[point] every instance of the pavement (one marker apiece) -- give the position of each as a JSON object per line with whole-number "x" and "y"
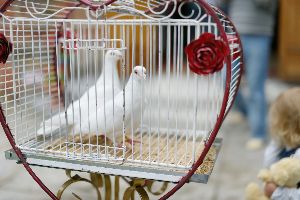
{"x": 235, "y": 167}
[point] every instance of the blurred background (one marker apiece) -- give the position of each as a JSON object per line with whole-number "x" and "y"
{"x": 237, "y": 164}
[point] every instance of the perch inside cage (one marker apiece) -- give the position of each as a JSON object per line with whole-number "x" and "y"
{"x": 127, "y": 88}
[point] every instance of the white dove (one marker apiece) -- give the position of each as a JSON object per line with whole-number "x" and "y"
{"x": 112, "y": 121}
{"x": 87, "y": 102}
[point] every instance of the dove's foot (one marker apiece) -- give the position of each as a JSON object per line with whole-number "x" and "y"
{"x": 131, "y": 141}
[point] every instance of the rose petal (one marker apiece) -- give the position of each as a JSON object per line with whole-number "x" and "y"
{"x": 207, "y": 54}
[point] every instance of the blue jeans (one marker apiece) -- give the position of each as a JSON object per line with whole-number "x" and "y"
{"x": 254, "y": 107}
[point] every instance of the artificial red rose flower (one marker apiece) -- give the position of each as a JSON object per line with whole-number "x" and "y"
{"x": 207, "y": 54}
{"x": 5, "y": 48}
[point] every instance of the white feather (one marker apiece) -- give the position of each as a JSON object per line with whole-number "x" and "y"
{"x": 78, "y": 110}
{"x": 112, "y": 121}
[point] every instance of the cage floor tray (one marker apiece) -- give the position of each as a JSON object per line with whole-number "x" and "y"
{"x": 126, "y": 169}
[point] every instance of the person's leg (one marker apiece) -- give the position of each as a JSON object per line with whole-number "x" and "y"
{"x": 257, "y": 49}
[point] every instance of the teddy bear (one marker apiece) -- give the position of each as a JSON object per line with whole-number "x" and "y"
{"x": 284, "y": 173}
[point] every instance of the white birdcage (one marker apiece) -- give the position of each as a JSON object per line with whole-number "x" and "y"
{"x": 61, "y": 112}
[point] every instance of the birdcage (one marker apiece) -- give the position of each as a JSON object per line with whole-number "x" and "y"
{"x": 121, "y": 87}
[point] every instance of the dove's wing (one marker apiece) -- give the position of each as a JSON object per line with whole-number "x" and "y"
{"x": 112, "y": 120}
{"x": 107, "y": 85}
{"x": 109, "y": 80}
{"x": 107, "y": 118}
{"x": 135, "y": 104}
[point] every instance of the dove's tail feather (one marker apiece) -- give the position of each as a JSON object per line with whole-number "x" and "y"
{"x": 56, "y": 120}
{"x": 52, "y": 125}
{"x": 53, "y": 131}
{"x": 47, "y": 130}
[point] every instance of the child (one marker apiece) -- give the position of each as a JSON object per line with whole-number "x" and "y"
{"x": 285, "y": 131}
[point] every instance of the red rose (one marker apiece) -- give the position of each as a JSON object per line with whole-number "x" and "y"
{"x": 207, "y": 54}
{"x": 5, "y": 48}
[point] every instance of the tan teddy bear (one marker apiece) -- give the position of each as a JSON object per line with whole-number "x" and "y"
{"x": 253, "y": 192}
{"x": 284, "y": 173}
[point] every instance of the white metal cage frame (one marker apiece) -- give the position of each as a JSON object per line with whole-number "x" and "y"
{"x": 180, "y": 112}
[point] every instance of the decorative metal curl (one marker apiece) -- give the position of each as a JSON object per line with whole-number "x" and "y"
{"x": 33, "y": 6}
{"x": 35, "y": 10}
{"x": 129, "y": 9}
{"x": 132, "y": 11}
{"x": 192, "y": 10}
{"x": 167, "y": 4}
{"x": 96, "y": 14}
{"x": 75, "y": 179}
{"x": 103, "y": 182}
{"x": 97, "y": 180}
{"x": 138, "y": 186}
{"x": 163, "y": 188}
